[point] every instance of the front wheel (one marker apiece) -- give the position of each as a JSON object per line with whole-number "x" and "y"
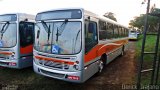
{"x": 101, "y": 66}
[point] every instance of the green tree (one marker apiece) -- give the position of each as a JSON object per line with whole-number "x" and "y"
{"x": 110, "y": 15}
{"x": 138, "y": 22}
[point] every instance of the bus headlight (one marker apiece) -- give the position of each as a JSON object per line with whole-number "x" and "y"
{"x": 76, "y": 67}
{"x": 12, "y": 56}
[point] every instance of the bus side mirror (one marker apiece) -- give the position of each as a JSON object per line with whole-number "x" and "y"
{"x": 38, "y": 32}
{"x": 90, "y": 27}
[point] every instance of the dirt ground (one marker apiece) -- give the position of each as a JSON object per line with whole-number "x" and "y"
{"x": 116, "y": 74}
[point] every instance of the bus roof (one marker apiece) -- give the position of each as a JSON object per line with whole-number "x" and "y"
{"x": 60, "y": 9}
{"x": 89, "y": 13}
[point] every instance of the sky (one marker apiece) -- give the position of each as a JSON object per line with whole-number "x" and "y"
{"x": 124, "y": 10}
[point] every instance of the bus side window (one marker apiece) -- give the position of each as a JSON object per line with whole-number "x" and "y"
{"x": 102, "y": 30}
{"x": 120, "y": 31}
{"x": 116, "y": 32}
{"x": 110, "y": 31}
{"x": 26, "y": 33}
{"x": 91, "y": 38}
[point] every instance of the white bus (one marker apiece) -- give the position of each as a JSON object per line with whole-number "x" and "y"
{"x": 133, "y": 35}
{"x": 74, "y": 44}
{"x": 16, "y": 40}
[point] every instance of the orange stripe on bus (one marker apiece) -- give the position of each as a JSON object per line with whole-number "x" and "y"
{"x": 98, "y": 50}
{"x": 6, "y": 53}
{"x": 26, "y": 50}
{"x": 54, "y": 60}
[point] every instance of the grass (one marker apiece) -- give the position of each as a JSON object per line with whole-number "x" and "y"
{"x": 148, "y": 59}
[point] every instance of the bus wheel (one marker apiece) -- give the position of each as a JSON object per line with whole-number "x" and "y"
{"x": 122, "y": 52}
{"x": 101, "y": 66}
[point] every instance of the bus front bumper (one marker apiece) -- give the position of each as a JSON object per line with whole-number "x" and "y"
{"x": 133, "y": 38}
{"x": 57, "y": 74}
{"x": 9, "y": 63}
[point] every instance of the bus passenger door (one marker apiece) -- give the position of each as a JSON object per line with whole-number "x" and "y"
{"x": 91, "y": 38}
{"x": 26, "y": 30}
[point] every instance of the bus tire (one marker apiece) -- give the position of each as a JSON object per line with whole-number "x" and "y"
{"x": 102, "y": 63}
{"x": 122, "y": 52}
{"x": 100, "y": 66}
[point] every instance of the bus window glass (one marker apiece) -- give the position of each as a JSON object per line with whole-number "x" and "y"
{"x": 123, "y": 33}
{"x": 67, "y": 38}
{"x": 8, "y": 35}
{"x": 64, "y": 37}
{"x": 109, "y": 31}
{"x": 102, "y": 30}
{"x": 126, "y": 33}
{"x": 120, "y": 31}
{"x": 116, "y": 32}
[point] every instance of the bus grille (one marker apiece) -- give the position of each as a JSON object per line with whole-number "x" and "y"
{"x": 4, "y": 63}
{"x": 53, "y": 74}
{"x": 51, "y": 64}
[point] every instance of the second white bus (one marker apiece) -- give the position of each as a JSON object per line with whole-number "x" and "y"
{"x": 16, "y": 40}
{"x": 133, "y": 35}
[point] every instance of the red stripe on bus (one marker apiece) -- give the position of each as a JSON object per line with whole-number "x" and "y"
{"x": 98, "y": 50}
{"x": 54, "y": 60}
{"x": 6, "y": 53}
{"x": 26, "y": 50}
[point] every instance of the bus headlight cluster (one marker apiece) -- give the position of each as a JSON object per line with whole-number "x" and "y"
{"x": 12, "y": 56}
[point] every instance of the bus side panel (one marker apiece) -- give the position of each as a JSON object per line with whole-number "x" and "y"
{"x": 101, "y": 49}
{"x": 26, "y": 56}
{"x": 113, "y": 50}
{"x": 90, "y": 70}
{"x": 26, "y": 62}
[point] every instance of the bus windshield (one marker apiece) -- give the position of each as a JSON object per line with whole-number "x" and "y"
{"x": 8, "y": 34}
{"x": 132, "y": 32}
{"x": 58, "y": 37}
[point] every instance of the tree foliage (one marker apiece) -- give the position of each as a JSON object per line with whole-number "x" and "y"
{"x": 138, "y": 22}
{"x": 110, "y": 15}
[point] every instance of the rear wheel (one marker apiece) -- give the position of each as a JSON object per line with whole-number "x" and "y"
{"x": 122, "y": 52}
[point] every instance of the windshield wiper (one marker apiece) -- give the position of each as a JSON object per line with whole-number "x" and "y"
{"x": 61, "y": 29}
{"x": 38, "y": 33}
{"x": 4, "y": 28}
{"x": 47, "y": 28}
{"x": 76, "y": 40}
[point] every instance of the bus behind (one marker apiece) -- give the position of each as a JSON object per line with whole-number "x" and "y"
{"x": 16, "y": 40}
